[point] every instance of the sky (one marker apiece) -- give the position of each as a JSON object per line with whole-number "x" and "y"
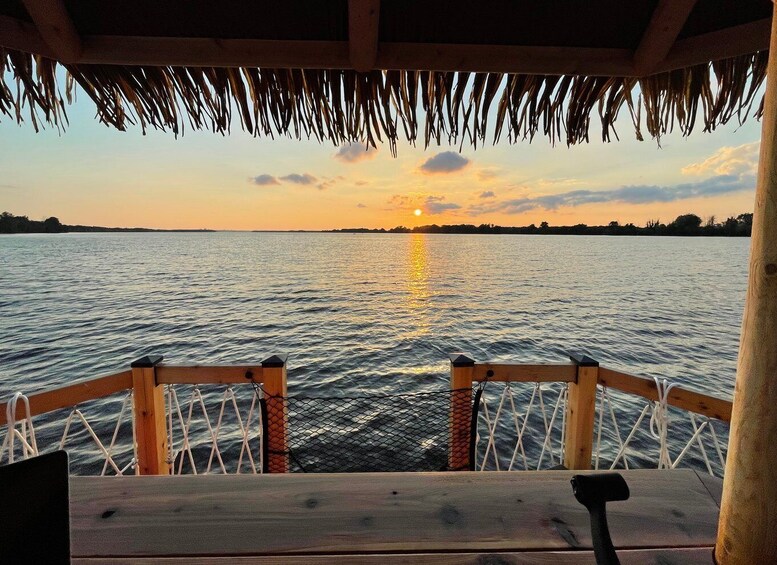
{"x": 94, "y": 175}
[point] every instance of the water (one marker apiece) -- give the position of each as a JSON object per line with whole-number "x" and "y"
{"x": 368, "y": 312}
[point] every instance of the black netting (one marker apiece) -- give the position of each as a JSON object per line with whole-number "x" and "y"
{"x": 428, "y": 431}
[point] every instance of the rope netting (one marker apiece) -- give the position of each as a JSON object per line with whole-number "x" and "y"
{"x": 396, "y": 432}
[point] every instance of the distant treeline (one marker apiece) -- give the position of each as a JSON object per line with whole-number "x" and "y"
{"x": 22, "y": 224}
{"x": 685, "y": 225}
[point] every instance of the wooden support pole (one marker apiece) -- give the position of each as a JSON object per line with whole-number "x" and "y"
{"x": 665, "y": 25}
{"x": 363, "y": 16}
{"x": 747, "y": 531}
{"x": 150, "y": 418}
{"x": 581, "y": 408}
{"x": 275, "y": 391}
{"x": 56, "y": 28}
{"x": 462, "y": 371}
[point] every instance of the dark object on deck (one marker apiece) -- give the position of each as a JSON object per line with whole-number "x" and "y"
{"x": 594, "y": 492}
{"x": 35, "y": 510}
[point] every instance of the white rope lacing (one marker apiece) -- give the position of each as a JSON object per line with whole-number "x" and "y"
{"x": 197, "y": 410}
{"x": 507, "y": 405}
{"x": 25, "y": 434}
{"x": 106, "y": 452}
{"x": 659, "y": 422}
{"x": 659, "y": 429}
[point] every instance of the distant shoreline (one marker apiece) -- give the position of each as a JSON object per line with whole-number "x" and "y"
{"x": 686, "y": 225}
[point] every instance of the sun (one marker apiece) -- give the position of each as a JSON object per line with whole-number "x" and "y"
{"x": 417, "y": 212}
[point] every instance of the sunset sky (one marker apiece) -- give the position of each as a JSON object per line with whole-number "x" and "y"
{"x": 91, "y": 174}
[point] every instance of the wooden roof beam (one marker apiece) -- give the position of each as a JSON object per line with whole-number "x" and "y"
{"x": 56, "y": 28}
{"x": 723, "y": 44}
{"x": 22, "y": 36}
{"x": 363, "y": 17}
{"x": 661, "y": 33}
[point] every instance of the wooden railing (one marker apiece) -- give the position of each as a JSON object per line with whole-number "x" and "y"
{"x": 148, "y": 377}
{"x": 583, "y": 375}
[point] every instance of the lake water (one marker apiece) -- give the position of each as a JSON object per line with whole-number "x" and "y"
{"x": 368, "y": 312}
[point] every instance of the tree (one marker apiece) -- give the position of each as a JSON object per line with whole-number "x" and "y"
{"x": 686, "y": 224}
{"x": 52, "y": 225}
{"x": 544, "y": 226}
{"x": 746, "y": 220}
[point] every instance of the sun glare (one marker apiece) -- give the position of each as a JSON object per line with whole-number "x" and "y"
{"x": 417, "y": 212}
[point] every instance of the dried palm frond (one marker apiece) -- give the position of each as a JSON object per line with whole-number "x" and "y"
{"x": 343, "y": 106}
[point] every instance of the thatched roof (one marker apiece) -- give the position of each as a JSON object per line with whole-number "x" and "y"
{"x": 348, "y": 70}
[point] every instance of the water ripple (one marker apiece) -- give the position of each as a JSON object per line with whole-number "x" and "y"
{"x": 370, "y": 311}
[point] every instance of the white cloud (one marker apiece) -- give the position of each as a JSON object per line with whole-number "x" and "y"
{"x": 742, "y": 159}
{"x": 635, "y": 194}
{"x": 263, "y": 180}
{"x": 430, "y": 204}
{"x": 355, "y": 152}
{"x": 445, "y": 162}
{"x": 297, "y": 178}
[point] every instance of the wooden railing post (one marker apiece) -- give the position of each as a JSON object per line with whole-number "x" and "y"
{"x": 581, "y": 408}
{"x": 462, "y": 371}
{"x": 150, "y": 418}
{"x": 274, "y": 384}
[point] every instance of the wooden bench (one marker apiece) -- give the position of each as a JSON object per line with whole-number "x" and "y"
{"x": 440, "y": 518}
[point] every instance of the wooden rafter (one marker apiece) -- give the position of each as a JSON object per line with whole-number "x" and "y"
{"x": 505, "y": 59}
{"x": 22, "y": 36}
{"x": 723, "y": 44}
{"x": 363, "y": 17}
{"x": 665, "y": 25}
{"x": 208, "y": 52}
{"x": 56, "y": 28}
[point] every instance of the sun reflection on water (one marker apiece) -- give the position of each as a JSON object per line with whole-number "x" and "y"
{"x": 418, "y": 286}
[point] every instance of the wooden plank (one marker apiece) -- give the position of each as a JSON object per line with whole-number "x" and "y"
{"x": 547, "y": 373}
{"x": 730, "y": 42}
{"x": 669, "y": 556}
{"x": 56, "y": 28}
{"x": 22, "y": 36}
{"x": 150, "y": 422}
{"x": 377, "y": 513}
{"x": 363, "y": 16}
{"x": 665, "y": 25}
{"x": 689, "y": 400}
{"x": 581, "y": 412}
{"x": 71, "y": 395}
{"x": 207, "y": 52}
{"x": 162, "y": 51}
{"x": 748, "y": 521}
{"x": 505, "y": 59}
{"x": 215, "y": 52}
{"x": 208, "y": 374}
{"x": 714, "y": 486}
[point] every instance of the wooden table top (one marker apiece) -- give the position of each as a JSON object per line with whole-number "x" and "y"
{"x": 446, "y": 518}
